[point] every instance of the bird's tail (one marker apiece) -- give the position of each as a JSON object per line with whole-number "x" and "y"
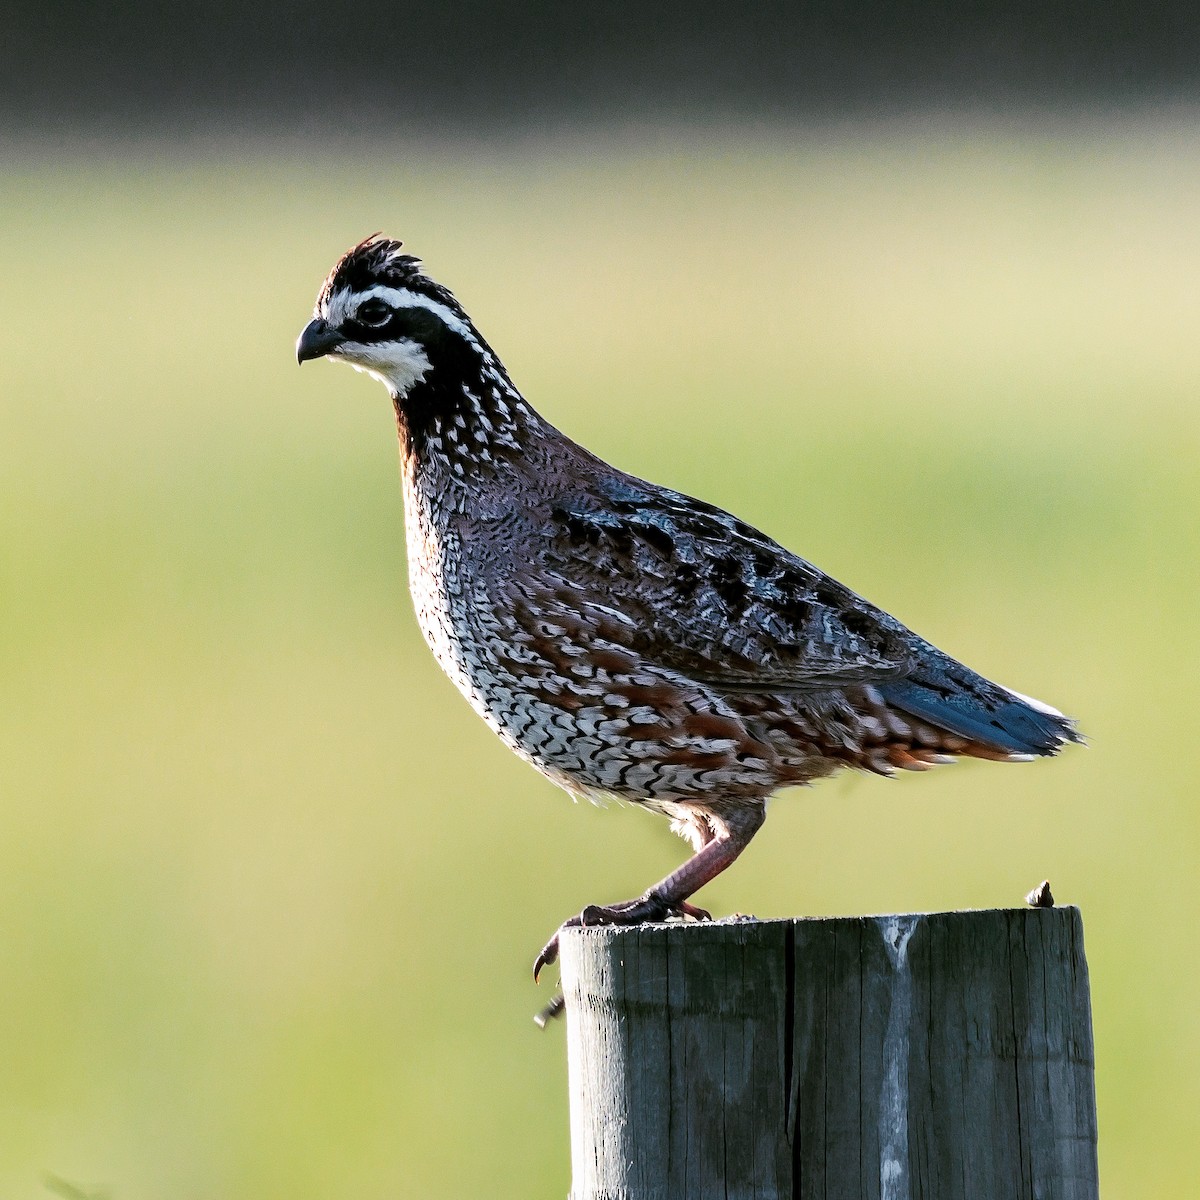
{"x": 994, "y": 721}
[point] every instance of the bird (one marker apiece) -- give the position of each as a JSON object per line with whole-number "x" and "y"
{"x": 626, "y": 639}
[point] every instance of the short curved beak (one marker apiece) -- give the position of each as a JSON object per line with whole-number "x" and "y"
{"x": 317, "y": 340}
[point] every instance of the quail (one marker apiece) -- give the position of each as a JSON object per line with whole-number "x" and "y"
{"x": 625, "y": 639}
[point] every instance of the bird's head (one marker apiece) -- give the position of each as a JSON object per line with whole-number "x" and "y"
{"x": 380, "y": 313}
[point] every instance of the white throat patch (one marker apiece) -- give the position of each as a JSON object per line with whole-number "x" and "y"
{"x": 399, "y": 365}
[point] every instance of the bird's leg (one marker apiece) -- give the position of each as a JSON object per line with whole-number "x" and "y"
{"x": 730, "y": 835}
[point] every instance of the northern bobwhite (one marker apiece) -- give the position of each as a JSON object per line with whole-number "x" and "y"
{"x": 624, "y": 638}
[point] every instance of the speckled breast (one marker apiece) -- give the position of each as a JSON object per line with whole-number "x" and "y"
{"x": 575, "y": 724}
{"x": 465, "y": 633}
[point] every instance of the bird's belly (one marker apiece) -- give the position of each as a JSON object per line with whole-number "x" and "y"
{"x": 577, "y": 730}
{"x": 571, "y": 747}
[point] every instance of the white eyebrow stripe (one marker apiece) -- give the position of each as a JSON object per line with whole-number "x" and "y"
{"x": 399, "y": 298}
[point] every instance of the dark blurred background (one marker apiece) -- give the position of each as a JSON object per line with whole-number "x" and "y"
{"x": 422, "y": 70}
{"x": 911, "y": 287}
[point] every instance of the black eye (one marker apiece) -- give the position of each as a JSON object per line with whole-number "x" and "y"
{"x": 373, "y": 312}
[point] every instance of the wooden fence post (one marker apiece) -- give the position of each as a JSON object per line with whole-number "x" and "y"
{"x": 941, "y": 1056}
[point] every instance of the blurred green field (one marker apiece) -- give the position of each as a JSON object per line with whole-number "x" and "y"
{"x": 269, "y": 892}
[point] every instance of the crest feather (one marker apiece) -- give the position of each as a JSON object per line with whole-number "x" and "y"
{"x": 376, "y": 259}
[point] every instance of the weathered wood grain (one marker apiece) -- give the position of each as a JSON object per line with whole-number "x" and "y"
{"x": 943, "y": 1056}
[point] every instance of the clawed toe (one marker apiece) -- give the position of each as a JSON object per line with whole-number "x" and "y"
{"x": 629, "y": 912}
{"x": 549, "y": 952}
{"x": 594, "y": 914}
{"x": 548, "y": 955}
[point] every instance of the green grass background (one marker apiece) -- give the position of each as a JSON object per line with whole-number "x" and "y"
{"x": 269, "y": 892}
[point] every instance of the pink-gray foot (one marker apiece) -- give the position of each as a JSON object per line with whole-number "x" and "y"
{"x": 628, "y": 912}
